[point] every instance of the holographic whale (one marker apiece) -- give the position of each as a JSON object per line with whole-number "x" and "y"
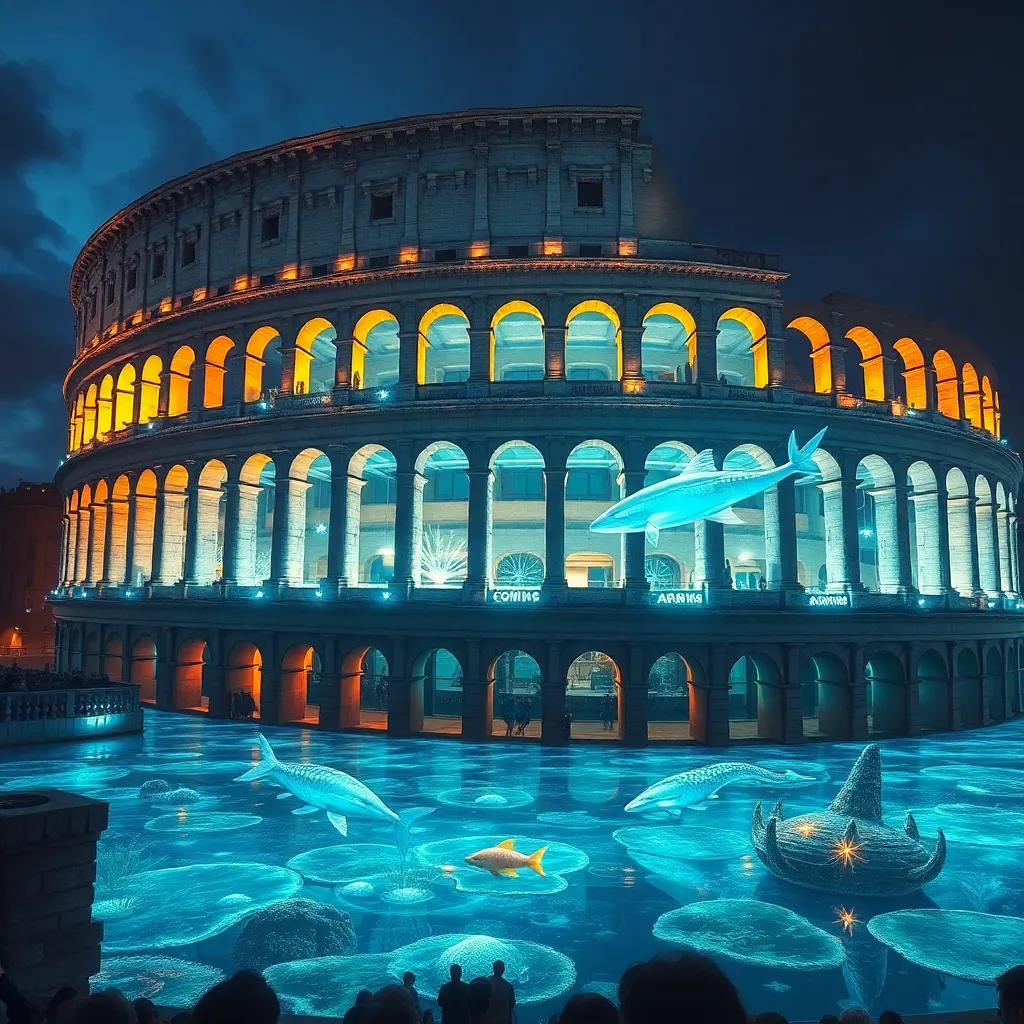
{"x": 701, "y": 491}
{"x": 689, "y": 789}
{"x": 326, "y": 789}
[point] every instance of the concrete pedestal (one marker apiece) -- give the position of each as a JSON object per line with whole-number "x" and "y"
{"x": 47, "y": 870}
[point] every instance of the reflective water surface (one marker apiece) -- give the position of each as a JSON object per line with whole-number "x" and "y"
{"x": 199, "y": 873}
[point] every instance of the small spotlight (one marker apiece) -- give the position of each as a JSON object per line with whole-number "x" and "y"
{"x": 920, "y": 601}
{"x": 321, "y": 527}
{"x": 259, "y": 593}
{"x": 383, "y": 395}
{"x": 264, "y": 406}
{"x": 866, "y": 533}
{"x": 386, "y": 595}
{"x": 319, "y": 592}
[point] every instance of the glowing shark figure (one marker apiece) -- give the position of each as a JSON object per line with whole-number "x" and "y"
{"x": 689, "y": 789}
{"x": 700, "y": 491}
{"x": 326, "y": 789}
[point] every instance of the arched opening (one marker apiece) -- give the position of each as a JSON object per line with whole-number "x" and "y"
{"x": 915, "y": 387}
{"x": 751, "y": 545}
{"x": 187, "y": 681}
{"x": 309, "y": 515}
{"x": 143, "y": 668}
{"x": 988, "y": 406}
{"x": 820, "y": 542}
{"x": 514, "y": 696}
{"x": 593, "y": 342}
{"x": 972, "y": 395}
{"x": 593, "y": 698}
{"x": 262, "y": 364}
{"x": 593, "y": 483}
{"x": 149, "y": 397}
{"x": 256, "y": 500}
{"x": 986, "y": 538}
{"x": 78, "y": 422}
{"x": 105, "y": 407}
{"x": 947, "y": 386}
{"x": 180, "y": 381}
{"x": 1013, "y": 682}
{"x": 995, "y": 685}
{"x": 211, "y": 498}
{"x": 436, "y": 693}
{"x": 91, "y": 661}
{"x": 517, "y": 342}
{"x": 372, "y": 495}
{"x": 885, "y": 695}
{"x": 216, "y": 370}
{"x": 670, "y": 564}
{"x": 443, "y": 345}
{"x": 825, "y": 697}
{"x": 375, "y": 354}
{"x": 969, "y": 690}
{"x": 756, "y": 699}
{"x": 441, "y": 516}
{"x": 298, "y": 681}
{"x": 815, "y": 335}
{"x": 668, "y": 345}
{"x": 173, "y": 526}
{"x": 243, "y": 674}
{"x": 145, "y": 528}
{"x": 75, "y": 650}
{"x": 98, "y": 525}
{"x": 870, "y": 349}
{"x": 113, "y": 658}
{"x": 82, "y": 544}
{"x": 1006, "y": 580}
{"x": 742, "y": 349}
{"x": 934, "y": 706}
{"x": 961, "y": 542}
{"x": 517, "y": 514}
{"x": 364, "y": 690}
{"x": 89, "y": 420}
{"x": 315, "y": 352}
{"x": 124, "y": 403}
{"x": 923, "y": 516}
{"x": 877, "y": 529}
{"x": 672, "y": 695}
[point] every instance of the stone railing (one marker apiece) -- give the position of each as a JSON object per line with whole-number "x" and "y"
{"x": 40, "y": 716}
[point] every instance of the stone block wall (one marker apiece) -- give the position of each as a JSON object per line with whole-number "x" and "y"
{"x": 47, "y": 872}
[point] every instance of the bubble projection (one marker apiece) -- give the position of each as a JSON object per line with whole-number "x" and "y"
{"x": 161, "y": 979}
{"x": 681, "y": 842}
{"x": 202, "y": 821}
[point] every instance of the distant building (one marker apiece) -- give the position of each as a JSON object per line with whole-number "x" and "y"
{"x": 30, "y": 525}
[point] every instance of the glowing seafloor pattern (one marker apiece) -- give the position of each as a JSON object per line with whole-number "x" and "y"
{"x": 177, "y": 883}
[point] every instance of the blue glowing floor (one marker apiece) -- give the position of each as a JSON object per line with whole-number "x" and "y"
{"x": 189, "y": 864}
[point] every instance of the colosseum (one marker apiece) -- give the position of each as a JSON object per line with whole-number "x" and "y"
{"x": 343, "y": 409}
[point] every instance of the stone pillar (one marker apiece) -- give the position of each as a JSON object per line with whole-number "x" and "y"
{"x": 108, "y": 545}
{"x": 627, "y": 223}
{"x": 997, "y": 575}
{"x": 858, "y": 694}
{"x": 633, "y": 705}
{"x": 851, "y": 532}
{"x": 128, "y": 577}
{"x": 347, "y": 250}
{"x": 478, "y": 562}
{"x": 932, "y": 552}
{"x": 408, "y": 360}
{"x": 481, "y": 242}
{"x": 480, "y": 369}
{"x": 406, "y": 542}
{"x": 338, "y": 529}
{"x": 707, "y": 344}
{"x": 476, "y": 697}
{"x": 279, "y": 538}
{"x": 554, "y": 528}
{"x": 410, "y": 248}
{"x": 554, "y": 338}
{"x": 972, "y": 526}
{"x": 47, "y": 870}
{"x": 1003, "y": 546}
{"x": 405, "y": 705}
{"x": 553, "y": 216}
{"x": 984, "y": 532}
{"x": 775, "y": 349}
{"x": 193, "y": 570}
{"x": 905, "y": 578}
{"x": 716, "y": 699}
{"x": 90, "y": 546}
{"x": 780, "y": 549}
{"x": 552, "y": 696}
{"x": 287, "y": 568}
{"x": 635, "y": 543}
{"x": 232, "y": 511}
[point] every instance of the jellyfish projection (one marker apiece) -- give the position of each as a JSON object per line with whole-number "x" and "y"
{"x": 701, "y": 491}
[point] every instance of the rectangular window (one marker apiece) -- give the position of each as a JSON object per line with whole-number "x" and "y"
{"x": 520, "y": 484}
{"x": 267, "y": 279}
{"x": 445, "y": 255}
{"x": 375, "y": 262}
{"x": 590, "y": 194}
{"x": 188, "y": 252}
{"x": 588, "y": 484}
{"x": 447, "y": 485}
{"x": 320, "y": 270}
{"x": 518, "y": 252}
{"x": 132, "y": 280}
{"x": 108, "y": 292}
{"x": 271, "y": 228}
{"x": 382, "y": 206}
{"x": 589, "y": 249}
{"x": 523, "y": 373}
{"x": 158, "y": 265}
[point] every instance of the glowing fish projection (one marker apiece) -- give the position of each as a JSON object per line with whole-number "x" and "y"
{"x": 504, "y": 858}
{"x": 690, "y": 789}
{"x": 701, "y": 491}
{"x": 327, "y": 789}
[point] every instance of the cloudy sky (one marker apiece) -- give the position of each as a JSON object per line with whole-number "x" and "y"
{"x": 875, "y": 147}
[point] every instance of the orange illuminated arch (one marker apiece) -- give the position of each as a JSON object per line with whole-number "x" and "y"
{"x": 253, "y": 467}
{"x": 216, "y": 369}
{"x": 426, "y": 322}
{"x": 988, "y": 405}
{"x": 871, "y": 362}
{"x": 998, "y": 415}
{"x": 947, "y": 386}
{"x": 254, "y": 361}
{"x": 149, "y": 399}
{"x": 685, "y": 317}
{"x": 758, "y": 340}
{"x": 360, "y": 333}
{"x": 600, "y": 306}
{"x": 124, "y": 403}
{"x": 972, "y": 395}
{"x": 913, "y": 372}
{"x": 77, "y": 422}
{"x": 89, "y": 416}
{"x": 181, "y": 380}
{"x": 817, "y": 334}
{"x": 309, "y": 332}
{"x": 105, "y": 407}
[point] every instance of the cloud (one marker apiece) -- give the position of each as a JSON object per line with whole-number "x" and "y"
{"x": 213, "y": 67}
{"x": 28, "y": 135}
{"x": 179, "y": 146}
{"x": 34, "y": 437}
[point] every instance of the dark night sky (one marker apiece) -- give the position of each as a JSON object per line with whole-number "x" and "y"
{"x": 876, "y": 147}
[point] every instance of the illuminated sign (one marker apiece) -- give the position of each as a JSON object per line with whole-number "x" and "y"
{"x": 691, "y": 598}
{"x": 514, "y": 595}
{"x": 828, "y": 600}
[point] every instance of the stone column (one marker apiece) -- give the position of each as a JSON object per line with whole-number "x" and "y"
{"x": 552, "y": 696}
{"x": 851, "y": 532}
{"x": 480, "y": 369}
{"x": 905, "y": 579}
{"x": 338, "y": 529}
{"x": 105, "y": 578}
{"x": 91, "y": 573}
{"x": 347, "y": 250}
{"x": 1003, "y": 544}
{"x": 476, "y": 697}
{"x": 707, "y": 344}
{"x": 410, "y": 248}
{"x": 716, "y": 712}
{"x": 775, "y": 349}
{"x": 554, "y": 338}
{"x": 858, "y": 694}
{"x": 554, "y": 526}
{"x": 408, "y": 531}
{"x": 232, "y": 508}
{"x": 627, "y": 223}
{"x": 279, "y": 538}
{"x": 984, "y": 532}
{"x": 408, "y": 360}
{"x": 481, "y": 243}
{"x": 478, "y": 567}
{"x": 709, "y": 555}
{"x": 636, "y": 544}
{"x": 193, "y": 570}
{"x": 553, "y": 216}
{"x": 943, "y": 570}
{"x": 128, "y": 577}
{"x": 633, "y": 705}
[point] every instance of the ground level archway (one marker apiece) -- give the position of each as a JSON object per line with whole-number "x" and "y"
{"x": 593, "y": 697}
{"x": 514, "y": 706}
{"x": 885, "y": 695}
{"x": 756, "y": 699}
{"x": 243, "y": 673}
{"x": 143, "y": 669}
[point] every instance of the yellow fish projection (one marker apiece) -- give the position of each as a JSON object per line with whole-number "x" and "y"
{"x": 504, "y": 858}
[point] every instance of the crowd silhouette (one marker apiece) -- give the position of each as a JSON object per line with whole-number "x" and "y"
{"x": 16, "y": 679}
